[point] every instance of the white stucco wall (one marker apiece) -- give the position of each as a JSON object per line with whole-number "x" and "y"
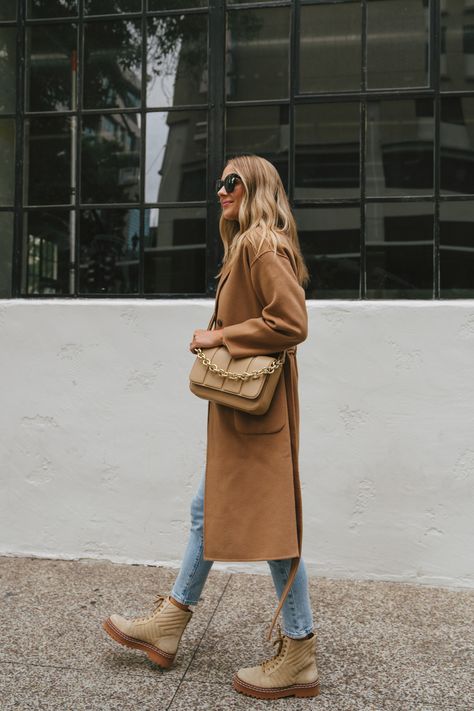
{"x": 102, "y": 444}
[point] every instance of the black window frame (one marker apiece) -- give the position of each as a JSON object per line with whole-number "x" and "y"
{"x": 216, "y": 107}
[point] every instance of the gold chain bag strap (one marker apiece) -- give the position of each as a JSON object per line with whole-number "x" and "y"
{"x": 246, "y": 384}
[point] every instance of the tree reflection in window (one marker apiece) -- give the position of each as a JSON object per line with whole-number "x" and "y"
{"x": 112, "y": 64}
{"x": 51, "y": 8}
{"x": 109, "y": 251}
{"x": 177, "y": 60}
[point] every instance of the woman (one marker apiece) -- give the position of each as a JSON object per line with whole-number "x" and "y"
{"x": 248, "y": 504}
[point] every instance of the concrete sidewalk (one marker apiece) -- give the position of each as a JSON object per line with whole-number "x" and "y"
{"x": 381, "y": 646}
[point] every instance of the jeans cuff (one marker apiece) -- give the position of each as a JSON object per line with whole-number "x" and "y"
{"x": 184, "y": 602}
{"x": 298, "y": 635}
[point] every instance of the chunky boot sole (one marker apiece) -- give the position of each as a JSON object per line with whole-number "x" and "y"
{"x": 258, "y": 692}
{"x": 158, "y": 656}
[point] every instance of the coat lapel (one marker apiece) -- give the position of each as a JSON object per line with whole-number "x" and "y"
{"x": 223, "y": 277}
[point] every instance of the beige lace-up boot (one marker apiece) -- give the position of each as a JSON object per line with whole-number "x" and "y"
{"x": 292, "y": 671}
{"x": 158, "y": 634}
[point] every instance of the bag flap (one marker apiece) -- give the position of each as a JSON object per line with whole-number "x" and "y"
{"x": 251, "y": 388}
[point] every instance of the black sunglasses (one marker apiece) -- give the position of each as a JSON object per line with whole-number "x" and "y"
{"x": 228, "y": 183}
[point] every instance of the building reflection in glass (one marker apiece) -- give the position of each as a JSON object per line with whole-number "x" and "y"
{"x": 175, "y": 250}
{"x": 6, "y": 254}
{"x": 457, "y": 45}
{"x": 8, "y": 10}
{"x": 263, "y": 130}
{"x": 327, "y": 150}
{"x": 110, "y": 158}
{"x": 7, "y": 161}
{"x": 330, "y": 241}
{"x": 398, "y": 43}
{"x": 47, "y": 252}
{"x": 399, "y": 147}
{"x": 176, "y": 145}
{"x": 457, "y": 248}
{"x": 457, "y": 144}
{"x": 399, "y": 246}
{"x": 176, "y": 156}
{"x": 257, "y": 54}
{"x": 330, "y": 47}
{"x": 48, "y": 179}
{"x": 177, "y": 60}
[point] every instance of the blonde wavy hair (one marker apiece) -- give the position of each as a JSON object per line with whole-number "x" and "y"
{"x": 265, "y": 216}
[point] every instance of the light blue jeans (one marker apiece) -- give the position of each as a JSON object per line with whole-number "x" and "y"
{"x": 296, "y": 610}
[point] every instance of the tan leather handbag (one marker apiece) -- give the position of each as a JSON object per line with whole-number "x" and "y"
{"x": 246, "y": 384}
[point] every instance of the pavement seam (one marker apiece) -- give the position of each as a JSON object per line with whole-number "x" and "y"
{"x": 123, "y": 672}
{"x": 199, "y": 643}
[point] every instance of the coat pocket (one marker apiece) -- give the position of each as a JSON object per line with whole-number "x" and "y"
{"x": 272, "y": 421}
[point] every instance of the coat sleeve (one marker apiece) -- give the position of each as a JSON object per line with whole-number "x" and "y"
{"x": 284, "y": 319}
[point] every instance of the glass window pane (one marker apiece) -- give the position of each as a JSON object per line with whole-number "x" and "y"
{"x": 456, "y": 222}
{"x": 6, "y": 254}
{"x": 177, "y": 60}
{"x": 51, "y": 67}
{"x": 399, "y": 147}
{"x": 48, "y": 249}
{"x": 176, "y": 4}
{"x": 175, "y": 250}
{"x": 257, "y": 56}
{"x": 7, "y": 69}
{"x": 399, "y": 241}
{"x": 48, "y": 178}
{"x": 8, "y": 10}
{"x": 327, "y": 150}
{"x": 330, "y": 47}
{"x": 330, "y": 242}
{"x": 111, "y": 7}
{"x": 7, "y": 161}
{"x": 51, "y": 8}
{"x": 457, "y": 46}
{"x": 109, "y": 251}
{"x": 112, "y": 64}
{"x": 176, "y": 156}
{"x": 457, "y": 144}
{"x": 397, "y": 43}
{"x": 110, "y": 158}
{"x": 262, "y": 130}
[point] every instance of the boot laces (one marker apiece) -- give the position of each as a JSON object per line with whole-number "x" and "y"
{"x": 156, "y": 606}
{"x": 280, "y": 640}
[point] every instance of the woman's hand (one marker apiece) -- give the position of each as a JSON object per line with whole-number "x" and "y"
{"x": 206, "y": 339}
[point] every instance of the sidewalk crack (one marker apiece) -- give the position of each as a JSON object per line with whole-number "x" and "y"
{"x": 199, "y": 643}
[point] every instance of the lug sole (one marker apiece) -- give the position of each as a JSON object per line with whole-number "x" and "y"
{"x": 158, "y": 656}
{"x": 258, "y": 692}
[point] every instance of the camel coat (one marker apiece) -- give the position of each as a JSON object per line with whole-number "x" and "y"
{"x": 252, "y": 499}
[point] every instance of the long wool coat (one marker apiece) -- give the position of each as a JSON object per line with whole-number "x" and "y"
{"x": 252, "y": 499}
